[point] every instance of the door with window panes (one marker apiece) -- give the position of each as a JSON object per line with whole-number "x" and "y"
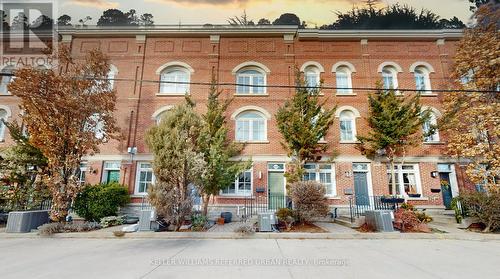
{"x": 276, "y": 185}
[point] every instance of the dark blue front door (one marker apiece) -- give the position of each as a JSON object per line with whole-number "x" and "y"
{"x": 444, "y": 177}
{"x": 361, "y": 188}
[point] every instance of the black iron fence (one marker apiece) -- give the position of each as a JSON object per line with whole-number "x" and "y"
{"x": 259, "y": 203}
{"x": 359, "y": 204}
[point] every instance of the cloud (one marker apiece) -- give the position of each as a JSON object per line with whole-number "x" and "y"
{"x": 100, "y": 4}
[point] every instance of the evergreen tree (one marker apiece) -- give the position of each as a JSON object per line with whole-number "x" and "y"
{"x": 218, "y": 149}
{"x": 394, "y": 121}
{"x": 303, "y": 122}
{"x": 178, "y": 164}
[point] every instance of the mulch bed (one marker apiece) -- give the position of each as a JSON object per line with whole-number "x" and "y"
{"x": 307, "y": 228}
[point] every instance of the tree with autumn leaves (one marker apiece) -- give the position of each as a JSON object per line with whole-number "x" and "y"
{"x": 472, "y": 115}
{"x": 68, "y": 112}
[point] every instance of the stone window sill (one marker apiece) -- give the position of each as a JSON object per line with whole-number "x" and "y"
{"x": 250, "y": 95}
{"x": 172, "y": 94}
{"x": 253, "y": 141}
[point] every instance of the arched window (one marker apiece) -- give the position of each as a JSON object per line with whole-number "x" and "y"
{"x": 175, "y": 80}
{"x": 251, "y": 126}
{"x": 312, "y": 77}
{"x": 422, "y": 80}
{"x": 344, "y": 80}
{"x": 431, "y": 134}
{"x": 113, "y": 71}
{"x": 347, "y": 122}
{"x": 160, "y": 113}
{"x": 251, "y": 80}
{"x": 6, "y": 78}
{"x": 390, "y": 77}
{"x": 3, "y": 116}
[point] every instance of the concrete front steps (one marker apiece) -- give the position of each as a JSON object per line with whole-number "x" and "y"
{"x": 442, "y": 217}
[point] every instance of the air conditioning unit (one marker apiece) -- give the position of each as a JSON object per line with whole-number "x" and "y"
{"x": 381, "y": 220}
{"x": 25, "y": 221}
{"x": 266, "y": 221}
{"x": 147, "y": 220}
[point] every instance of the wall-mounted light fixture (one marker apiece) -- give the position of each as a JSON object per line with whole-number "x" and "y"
{"x": 348, "y": 173}
{"x": 434, "y": 174}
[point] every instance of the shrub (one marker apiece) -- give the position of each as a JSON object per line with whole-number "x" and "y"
{"x": 245, "y": 229}
{"x": 101, "y": 200}
{"x": 287, "y": 216}
{"x": 52, "y": 228}
{"x": 485, "y": 206}
{"x": 309, "y": 200}
{"x": 198, "y": 222}
{"x": 423, "y": 217}
{"x": 407, "y": 221}
{"x": 110, "y": 221}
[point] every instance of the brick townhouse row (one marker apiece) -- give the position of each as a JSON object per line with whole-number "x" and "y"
{"x": 348, "y": 62}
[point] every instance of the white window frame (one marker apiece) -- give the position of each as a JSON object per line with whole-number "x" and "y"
{"x": 399, "y": 171}
{"x": 82, "y": 175}
{"x": 423, "y": 72}
{"x": 317, "y": 170}
{"x": 179, "y": 88}
{"x": 352, "y": 119}
{"x": 250, "y": 121}
{"x": 347, "y": 73}
{"x": 237, "y": 191}
{"x": 6, "y": 80}
{"x": 432, "y": 121}
{"x": 3, "y": 127}
{"x": 113, "y": 166}
{"x": 141, "y": 168}
{"x": 390, "y": 71}
{"x": 315, "y": 73}
{"x": 250, "y": 85}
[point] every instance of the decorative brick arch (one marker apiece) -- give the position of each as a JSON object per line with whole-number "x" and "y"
{"x": 313, "y": 64}
{"x": 251, "y": 64}
{"x": 264, "y": 112}
{"x": 174, "y": 64}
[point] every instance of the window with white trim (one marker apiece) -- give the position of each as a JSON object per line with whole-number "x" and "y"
{"x": 3, "y": 116}
{"x": 344, "y": 80}
{"x": 251, "y": 81}
{"x": 82, "y": 172}
{"x": 430, "y": 126}
{"x": 144, "y": 177}
{"x": 241, "y": 186}
{"x": 251, "y": 126}
{"x": 422, "y": 79}
{"x": 322, "y": 173}
{"x": 6, "y": 79}
{"x": 312, "y": 77}
{"x": 96, "y": 125}
{"x": 347, "y": 122}
{"x": 389, "y": 78}
{"x": 175, "y": 80}
{"x": 111, "y": 79}
{"x": 407, "y": 179}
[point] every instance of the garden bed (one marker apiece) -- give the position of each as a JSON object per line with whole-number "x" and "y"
{"x": 305, "y": 227}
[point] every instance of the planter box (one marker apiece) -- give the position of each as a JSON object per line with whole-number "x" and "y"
{"x": 414, "y": 195}
{"x": 392, "y": 200}
{"x": 436, "y": 190}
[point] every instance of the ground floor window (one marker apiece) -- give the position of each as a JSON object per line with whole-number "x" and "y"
{"x": 322, "y": 173}
{"x": 242, "y": 185}
{"x": 82, "y": 173}
{"x": 144, "y": 177}
{"x": 111, "y": 172}
{"x": 407, "y": 179}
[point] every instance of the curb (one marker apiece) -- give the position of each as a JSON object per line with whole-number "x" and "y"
{"x": 300, "y": 236}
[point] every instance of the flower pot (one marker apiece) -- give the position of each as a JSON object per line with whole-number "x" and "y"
{"x": 220, "y": 221}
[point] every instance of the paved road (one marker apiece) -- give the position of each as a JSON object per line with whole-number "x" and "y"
{"x": 248, "y": 258}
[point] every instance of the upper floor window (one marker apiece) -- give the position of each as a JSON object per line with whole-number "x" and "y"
{"x": 431, "y": 134}
{"x": 344, "y": 81}
{"x": 175, "y": 80}
{"x": 422, "y": 80}
{"x": 312, "y": 77}
{"x": 113, "y": 71}
{"x": 389, "y": 78}
{"x": 347, "y": 126}
{"x": 6, "y": 78}
{"x": 251, "y": 126}
{"x": 3, "y": 117}
{"x": 251, "y": 81}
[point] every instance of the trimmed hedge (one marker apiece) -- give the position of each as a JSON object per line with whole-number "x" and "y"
{"x": 101, "y": 200}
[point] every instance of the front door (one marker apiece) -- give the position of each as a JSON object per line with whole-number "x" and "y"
{"x": 444, "y": 178}
{"x": 361, "y": 188}
{"x": 276, "y": 184}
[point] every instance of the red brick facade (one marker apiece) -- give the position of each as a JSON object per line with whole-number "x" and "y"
{"x": 137, "y": 56}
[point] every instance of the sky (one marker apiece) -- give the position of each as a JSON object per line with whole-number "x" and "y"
{"x": 316, "y": 12}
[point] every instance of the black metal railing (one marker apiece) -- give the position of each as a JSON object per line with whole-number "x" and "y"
{"x": 262, "y": 202}
{"x": 359, "y": 204}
